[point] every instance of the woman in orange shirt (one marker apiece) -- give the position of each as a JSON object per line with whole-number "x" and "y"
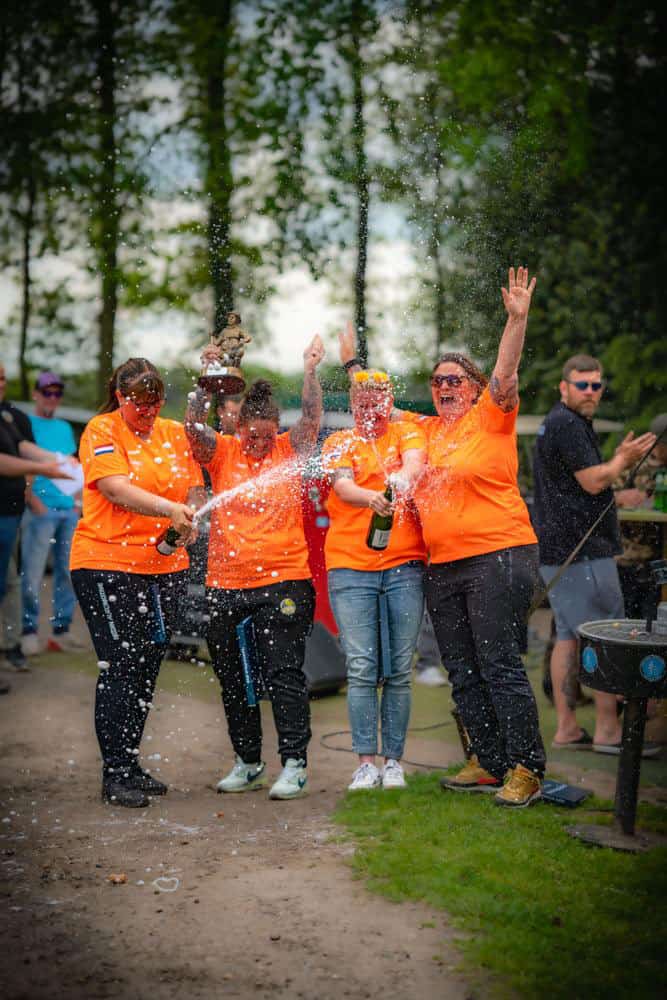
{"x": 376, "y": 596}
{"x": 483, "y": 556}
{"x": 139, "y": 478}
{"x": 258, "y": 572}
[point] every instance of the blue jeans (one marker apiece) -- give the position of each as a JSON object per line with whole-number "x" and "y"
{"x": 9, "y": 529}
{"x": 39, "y": 533}
{"x": 354, "y": 596}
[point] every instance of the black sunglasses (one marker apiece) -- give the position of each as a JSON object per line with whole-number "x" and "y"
{"x": 52, "y": 393}
{"x": 582, "y": 385}
{"x": 450, "y": 380}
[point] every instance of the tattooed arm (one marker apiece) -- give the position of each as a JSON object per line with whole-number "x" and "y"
{"x": 202, "y": 438}
{"x": 504, "y": 384}
{"x": 303, "y": 436}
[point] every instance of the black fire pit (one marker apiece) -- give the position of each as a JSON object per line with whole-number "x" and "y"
{"x": 624, "y": 657}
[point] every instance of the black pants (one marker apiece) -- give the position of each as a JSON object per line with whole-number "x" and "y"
{"x": 130, "y": 618}
{"x": 283, "y": 618}
{"x": 475, "y": 605}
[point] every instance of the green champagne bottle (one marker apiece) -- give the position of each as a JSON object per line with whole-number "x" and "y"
{"x": 380, "y": 527}
{"x": 168, "y": 541}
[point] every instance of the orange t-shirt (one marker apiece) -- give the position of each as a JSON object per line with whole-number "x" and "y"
{"x": 468, "y": 499}
{"x": 256, "y": 534}
{"x": 371, "y": 462}
{"x": 111, "y": 537}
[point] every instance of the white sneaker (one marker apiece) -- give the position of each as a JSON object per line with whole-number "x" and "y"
{"x": 392, "y": 775}
{"x": 431, "y": 676}
{"x": 243, "y": 777}
{"x": 65, "y": 642}
{"x": 31, "y": 644}
{"x": 291, "y": 782}
{"x": 366, "y": 776}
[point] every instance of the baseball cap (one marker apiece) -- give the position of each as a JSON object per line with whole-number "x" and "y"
{"x": 45, "y": 379}
{"x": 658, "y": 424}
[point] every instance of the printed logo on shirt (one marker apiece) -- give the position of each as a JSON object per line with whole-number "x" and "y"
{"x": 288, "y": 607}
{"x": 103, "y": 449}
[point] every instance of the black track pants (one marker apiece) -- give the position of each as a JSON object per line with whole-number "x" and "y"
{"x": 130, "y": 618}
{"x": 283, "y": 618}
{"x": 475, "y": 605}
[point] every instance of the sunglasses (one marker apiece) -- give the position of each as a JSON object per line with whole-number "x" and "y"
{"x": 582, "y": 385}
{"x": 451, "y": 380}
{"x": 52, "y": 393}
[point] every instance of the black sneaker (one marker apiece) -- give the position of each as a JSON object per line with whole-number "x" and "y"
{"x": 4, "y": 687}
{"x": 16, "y": 659}
{"x": 123, "y": 793}
{"x": 145, "y": 782}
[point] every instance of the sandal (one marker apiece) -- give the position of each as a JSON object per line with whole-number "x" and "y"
{"x": 648, "y": 749}
{"x": 584, "y": 742}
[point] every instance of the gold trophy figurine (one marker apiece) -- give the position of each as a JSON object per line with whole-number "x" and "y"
{"x": 224, "y": 375}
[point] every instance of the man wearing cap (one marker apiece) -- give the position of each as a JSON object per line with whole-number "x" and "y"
{"x": 48, "y": 525}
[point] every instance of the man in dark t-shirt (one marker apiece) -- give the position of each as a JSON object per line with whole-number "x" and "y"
{"x": 572, "y": 490}
{"x": 19, "y": 457}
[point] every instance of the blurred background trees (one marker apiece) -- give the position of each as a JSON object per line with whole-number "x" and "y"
{"x": 177, "y": 159}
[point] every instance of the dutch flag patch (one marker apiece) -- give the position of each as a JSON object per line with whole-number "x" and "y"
{"x": 103, "y": 449}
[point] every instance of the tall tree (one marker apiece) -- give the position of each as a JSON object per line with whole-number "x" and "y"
{"x": 34, "y": 52}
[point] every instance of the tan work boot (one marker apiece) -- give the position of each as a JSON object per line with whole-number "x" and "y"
{"x": 471, "y": 778}
{"x": 522, "y": 787}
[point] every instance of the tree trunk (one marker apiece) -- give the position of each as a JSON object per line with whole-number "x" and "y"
{"x": 26, "y": 279}
{"x": 27, "y": 220}
{"x": 219, "y": 181}
{"x": 436, "y": 218}
{"x": 106, "y": 218}
{"x": 362, "y": 188}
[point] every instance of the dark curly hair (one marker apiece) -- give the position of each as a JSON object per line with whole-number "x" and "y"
{"x": 475, "y": 374}
{"x": 136, "y": 377}
{"x": 259, "y": 404}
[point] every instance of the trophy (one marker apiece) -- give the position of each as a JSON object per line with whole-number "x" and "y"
{"x": 224, "y": 375}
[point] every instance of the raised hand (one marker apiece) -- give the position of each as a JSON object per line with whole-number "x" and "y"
{"x": 631, "y": 449}
{"x": 313, "y": 354}
{"x": 517, "y": 298}
{"x": 347, "y": 344}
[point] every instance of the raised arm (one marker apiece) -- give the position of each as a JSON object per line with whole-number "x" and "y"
{"x": 504, "y": 384}
{"x": 202, "y": 438}
{"x": 303, "y": 435}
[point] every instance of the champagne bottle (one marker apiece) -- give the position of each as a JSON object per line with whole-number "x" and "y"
{"x": 168, "y": 542}
{"x": 380, "y": 527}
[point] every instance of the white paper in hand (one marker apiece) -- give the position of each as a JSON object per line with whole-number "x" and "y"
{"x": 70, "y": 486}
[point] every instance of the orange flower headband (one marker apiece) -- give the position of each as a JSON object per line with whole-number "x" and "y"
{"x": 372, "y": 380}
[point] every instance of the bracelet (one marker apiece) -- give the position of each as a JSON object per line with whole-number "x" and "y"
{"x": 350, "y": 364}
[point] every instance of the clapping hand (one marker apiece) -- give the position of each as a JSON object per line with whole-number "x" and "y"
{"x": 517, "y": 298}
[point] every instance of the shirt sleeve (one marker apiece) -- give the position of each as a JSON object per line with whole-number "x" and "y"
{"x": 412, "y": 436}
{"x": 492, "y": 417}
{"x": 574, "y": 446}
{"x": 23, "y": 425}
{"x": 336, "y": 453}
{"x": 100, "y": 454}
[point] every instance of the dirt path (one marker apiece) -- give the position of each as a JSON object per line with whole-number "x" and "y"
{"x": 262, "y": 903}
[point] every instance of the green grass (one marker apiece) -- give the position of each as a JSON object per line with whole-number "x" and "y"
{"x": 546, "y": 914}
